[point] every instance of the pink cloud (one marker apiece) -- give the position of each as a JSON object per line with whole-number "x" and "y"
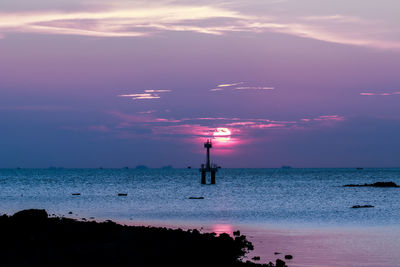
{"x": 380, "y": 94}
{"x": 269, "y": 125}
{"x": 329, "y": 118}
{"x": 242, "y": 123}
{"x": 196, "y": 130}
{"x": 368, "y": 94}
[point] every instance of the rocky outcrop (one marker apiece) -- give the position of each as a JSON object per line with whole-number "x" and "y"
{"x": 32, "y": 238}
{"x": 377, "y": 184}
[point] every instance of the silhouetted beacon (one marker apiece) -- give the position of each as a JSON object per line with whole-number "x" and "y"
{"x": 208, "y": 167}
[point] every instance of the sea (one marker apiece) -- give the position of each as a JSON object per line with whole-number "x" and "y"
{"x": 284, "y": 206}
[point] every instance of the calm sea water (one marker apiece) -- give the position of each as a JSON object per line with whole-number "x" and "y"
{"x": 241, "y": 196}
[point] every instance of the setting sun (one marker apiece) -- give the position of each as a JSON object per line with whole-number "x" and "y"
{"x": 222, "y": 135}
{"x": 223, "y": 132}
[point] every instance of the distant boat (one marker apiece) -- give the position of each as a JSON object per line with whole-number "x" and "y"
{"x": 286, "y": 167}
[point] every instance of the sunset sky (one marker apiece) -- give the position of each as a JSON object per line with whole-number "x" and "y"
{"x": 306, "y": 83}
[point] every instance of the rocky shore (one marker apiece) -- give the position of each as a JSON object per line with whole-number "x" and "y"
{"x": 32, "y": 238}
{"x": 377, "y": 184}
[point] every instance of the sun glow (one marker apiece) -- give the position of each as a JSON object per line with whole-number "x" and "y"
{"x": 222, "y": 135}
{"x": 222, "y": 229}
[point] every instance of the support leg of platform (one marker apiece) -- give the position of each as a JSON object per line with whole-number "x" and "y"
{"x": 203, "y": 177}
{"x": 213, "y": 177}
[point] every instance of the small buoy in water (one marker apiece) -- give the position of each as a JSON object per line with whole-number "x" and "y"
{"x": 362, "y": 206}
{"x": 122, "y": 194}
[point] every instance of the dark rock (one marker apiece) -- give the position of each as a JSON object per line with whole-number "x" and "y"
{"x": 280, "y": 263}
{"x": 196, "y": 197}
{"x": 70, "y": 212}
{"x": 270, "y": 264}
{"x": 256, "y": 258}
{"x": 364, "y": 206}
{"x": 122, "y": 194}
{"x": 288, "y": 257}
{"x": 76, "y": 194}
{"x": 377, "y": 184}
{"x": 277, "y": 253}
{"x": 31, "y": 238}
{"x": 31, "y": 215}
{"x": 236, "y": 233}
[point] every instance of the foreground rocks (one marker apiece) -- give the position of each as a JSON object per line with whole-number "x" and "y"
{"x": 31, "y": 238}
{"x": 377, "y": 184}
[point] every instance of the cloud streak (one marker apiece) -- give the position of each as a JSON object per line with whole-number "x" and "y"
{"x": 209, "y": 18}
{"x": 148, "y": 94}
{"x": 380, "y": 94}
{"x": 241, "y": 86}
{"x": 254, "y": 88}
{"x": 133, "y": 22}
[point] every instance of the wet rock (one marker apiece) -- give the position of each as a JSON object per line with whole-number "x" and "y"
{"x": 363, "y": 206}
{"x": 76, "y": 194}
{"x": 288, "y": 257}
{"x": 196, "y": 197}
{"x": 377, "y": 184}
{"x": 122, "y": 194}
{"x": 277, "y": 253}
{"x": 256, "y": 258}
{"x": 280, "y": 263}
{"x": 70, "y": 212}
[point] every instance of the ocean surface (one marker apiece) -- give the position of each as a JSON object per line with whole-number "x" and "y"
{"x": 298, "y": 197}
